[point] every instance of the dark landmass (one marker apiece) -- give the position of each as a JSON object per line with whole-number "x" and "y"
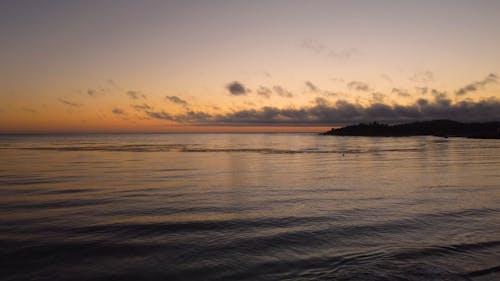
{"x": 440, "y": 128}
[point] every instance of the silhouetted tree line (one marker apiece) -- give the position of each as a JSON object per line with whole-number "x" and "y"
{"x": 441, "y": 128}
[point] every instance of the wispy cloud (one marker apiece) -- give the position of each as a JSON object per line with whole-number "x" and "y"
{"x": 177, "y": 100}
{"x": 331, "y": 93}
{"x": 319, "y": 48}
{"x": 191, "y": 117}
{"x": 141, "y": 107}
{"x": 477, "y": 85}
{"x": 358, "y": 86}
{"x": 135, "y": 95}
{"x": 236, "y": 88}
{"x": 422, "y": 90}
{"x": 282, "y": 92}
{"x": 337, "y": 79}
{"x": 423, "y": 77}
{"x": 386, "y": 77}
{"x": 112, "y": 83}
{"x": 107, "y": 88}
{"x": 264, "y": 92}
{"x": 311, "y": 87}
{"x": 70, "y": 103}
{"x": 401, "y": 92}
{"x": 118, "y": 111}
{"x": 378, "y": 97}
{"x": 92, "y": 92}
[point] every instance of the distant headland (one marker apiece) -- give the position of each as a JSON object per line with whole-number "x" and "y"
{"x": 440, "y": 128}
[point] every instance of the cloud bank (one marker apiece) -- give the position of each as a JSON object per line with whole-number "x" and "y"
{"x": 343, "y": 112}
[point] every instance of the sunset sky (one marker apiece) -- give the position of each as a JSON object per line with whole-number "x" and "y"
{"x": 245, "y": 65}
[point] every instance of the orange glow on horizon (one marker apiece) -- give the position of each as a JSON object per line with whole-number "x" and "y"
{"x": 110, "y": 128}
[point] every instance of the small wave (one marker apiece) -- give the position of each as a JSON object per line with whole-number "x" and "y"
{"x": 70, "y": 191}
{"x": 194, "y": 226}
{"x": 30, "y": 181}
{"x": 55, "y": 204}
{"x": 480, "y": 212}
{"x": 482, "y": 272}
{"x": 445, "y": 250}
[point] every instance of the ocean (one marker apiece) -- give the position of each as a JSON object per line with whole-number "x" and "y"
{"x": 248, "y": 207}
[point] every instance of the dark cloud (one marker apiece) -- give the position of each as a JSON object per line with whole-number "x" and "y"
{"x": 358, "y": 86}
{"x": 236, "y": 88}
{"x": 70, "y": 103}
{"x": 423, "y": 77}
{"x": 311, "y": 86}
{"x": 282, "y": 92}
{"x": 343, "y": 112}
{"x": 466, "y": 89}
{"x": 477, "y": 85}
{"x": 135, "y": 95}
{"x": 401, "y": 92}
{"x": 264, "y": 91}
{"x": 119, "y": 111}
{"x": 176, "y": 100}
{"x": 319, "y": 48}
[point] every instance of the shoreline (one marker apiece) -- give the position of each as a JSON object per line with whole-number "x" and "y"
{"x": 437, "y": 128}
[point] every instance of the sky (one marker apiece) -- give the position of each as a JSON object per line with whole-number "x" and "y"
{"x": 188, "y": 66}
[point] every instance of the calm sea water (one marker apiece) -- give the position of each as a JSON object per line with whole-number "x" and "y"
{"x": 248, "y": 207}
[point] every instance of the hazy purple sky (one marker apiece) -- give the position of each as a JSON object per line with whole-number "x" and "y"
{"x": 93, "y": 64}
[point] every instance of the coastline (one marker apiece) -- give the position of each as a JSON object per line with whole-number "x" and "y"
{"x": 438, "y": 128}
